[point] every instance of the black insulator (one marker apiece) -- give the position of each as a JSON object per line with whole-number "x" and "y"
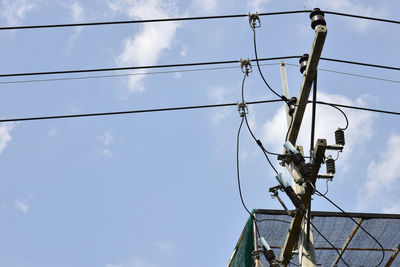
{"x": 339, "y": 137}
{"x": 297, "y": 159}
{"x": 294, "y": 198}
{"x": 305, "y": 170}
{"x": 330, "y": 165}
{"x": 269, "y": 255}
{"x": 303, "y": 62}
{"x": 317, "y": 18}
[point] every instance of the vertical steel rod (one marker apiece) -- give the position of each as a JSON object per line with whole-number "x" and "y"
{"x": 314, "y": 107}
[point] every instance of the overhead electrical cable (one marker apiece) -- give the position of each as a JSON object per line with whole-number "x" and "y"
{"x": 359, "y": 225}
{"x": 74, "y": 71}
{"x": 139, "y": 67}
{"x": 186, "y": 70}
{"x": 258, "y": 65}
{"x": 128, "y": 74}
{"x": 119, "y": 22}
{"x": 147, "y": 20}
{"x": 361, "y": 17}
{"x": 349, "y": 74}
{"x": 183, "y": 108}
{"x": 238, "y": 170}
{"x": 326, "y": 239}
{"x": 243, "y": 113}
{"x": 360, "y": 63}
{"x": 135, "y": 111}
{"x": 360, "y": 108}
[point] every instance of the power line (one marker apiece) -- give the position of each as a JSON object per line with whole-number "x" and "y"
{"x": 184, "y": 65}
{"x": 359, "y": 225}
{"x": 134, "y": 111}
{"x": 139, "y": 67}
{"x": 360, "y": 108}
{"x": 185, "y": 108}
{"x": 186, "y": 19}
{"x": 187, "y": 70}
{"x": 362, "y": 17}
{"x": 146, "y": 20}
{"x": 127, "y": 74}
{"x": 347, "y": 73}
{"x": 360, "y": 63}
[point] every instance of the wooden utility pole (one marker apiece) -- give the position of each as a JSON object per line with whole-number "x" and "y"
{"x": 298, "y": 227}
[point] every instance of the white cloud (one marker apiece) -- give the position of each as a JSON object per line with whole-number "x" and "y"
{"x": 14, "y": 11}
{"x": 77, "y": 14}
{"x": 327, "y": 121}
{"x": 168, "y": 246}
{"x": 146, "y": 46}
{"x": 383, "y": 178}
{"x": 207, "y": 6}
{"x": 21, "y": 205}
{"x": 353, "y": 7}
{"x": 52, "y": 132}
{"x": 257, "y": 5}
{"x": 106, "y": 152}
{"x": 106, "y": 138}
{"x": 220, "y": 95}
{"x": 183, "y": 52}
{"x": 5, "y": 135}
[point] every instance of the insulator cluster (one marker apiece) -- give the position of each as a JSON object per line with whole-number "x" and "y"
{"x": 304, "y": 169}
{"x": 303, "y": 62}
{"x": 317, "y": 18}
{"x": 339, "y": 137}
{"x": 330, "y": 165}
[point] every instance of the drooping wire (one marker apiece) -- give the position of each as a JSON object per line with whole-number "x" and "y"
{"x": 258, "y": 65}
{"x": 337, "y": 157}
{"x": 289, "y": 128}
{"x": 326, "y": 239}
{"x": 238, "y": 178}
{"x": 359, "y": 225}
{"x": 257, "y": 141}
{"x": 327, "y": 189}
{"x": 344, "y": 114}
{"x": 238, "y": 170}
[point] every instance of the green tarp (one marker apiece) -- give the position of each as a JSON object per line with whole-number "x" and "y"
{"x": 242, "y": 254}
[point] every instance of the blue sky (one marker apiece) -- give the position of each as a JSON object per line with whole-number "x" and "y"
{"x": 159, "y": 189}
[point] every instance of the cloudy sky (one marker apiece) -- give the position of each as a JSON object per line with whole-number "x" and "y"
{"x": 159, "y": 189}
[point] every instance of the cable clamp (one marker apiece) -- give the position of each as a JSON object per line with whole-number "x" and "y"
{"x": 242, "y": 108}
{"x": 292, "y": 105}
{"x": 256, "y": 254}
{"x": 245, "y": 65}
{"x": 254, "y": 20}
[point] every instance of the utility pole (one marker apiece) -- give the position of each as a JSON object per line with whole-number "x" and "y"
{"x": 299, "y": 226}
